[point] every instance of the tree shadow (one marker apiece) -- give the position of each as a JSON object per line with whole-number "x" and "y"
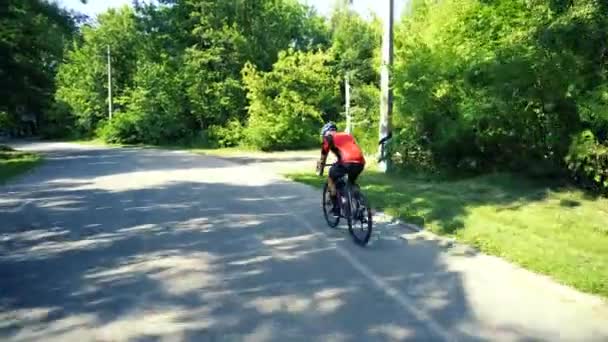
{"x": 446, "y": 204}
{"x": 206, "y": 260}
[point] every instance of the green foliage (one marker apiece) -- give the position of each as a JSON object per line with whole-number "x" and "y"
{"x": 7, "y": 121}
{"x": 355, "y": 45}
{"x": 32, "y": 34}
{"x": 355, "y": 50}
{"x": 177, "y": 66}
{"x": 289, "y": 103}
{"x": 229, "y": 135}
{"x": 588, "y": 161}
{"x": 153, "y": 109}
{"x": 501, "y": 84}
{"x": 479, "y": 85}
{"x": 211, "y": 75}
{"x": 13, "y": 163}
{"x": 121, "y": 130}
{"x": 82, "y": 79}
{"x": 365, "y": 102}
{"x": 58, "y": 122}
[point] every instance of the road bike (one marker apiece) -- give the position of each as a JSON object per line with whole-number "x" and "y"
{"x": 354, "y": 207}
{"x": 353, "y": 204}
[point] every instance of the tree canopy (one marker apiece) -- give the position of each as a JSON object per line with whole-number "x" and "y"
{"x": 32, "y": 38}
{"x": 480, "y": 86}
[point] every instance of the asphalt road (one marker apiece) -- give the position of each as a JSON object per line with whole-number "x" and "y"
{"x": 103, "y": 244}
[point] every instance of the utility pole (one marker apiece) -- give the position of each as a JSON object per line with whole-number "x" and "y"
{"x": 109, "y": 85}
{"x": 386, "y": 94}
{"x": 349, "y": 119}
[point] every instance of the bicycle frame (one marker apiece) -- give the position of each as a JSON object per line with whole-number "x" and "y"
{"x": 347, "y": 189}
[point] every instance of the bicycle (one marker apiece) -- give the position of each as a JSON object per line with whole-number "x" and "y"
{"x": 354, "y": 207}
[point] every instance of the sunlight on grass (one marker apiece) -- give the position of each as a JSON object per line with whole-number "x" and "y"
{"x": 558, "y": 231}
{"x": 13, "y": 163}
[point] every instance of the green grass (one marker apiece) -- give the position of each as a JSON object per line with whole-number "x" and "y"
{"x": 555, "y": 230}
{"x": 13, "y": 163}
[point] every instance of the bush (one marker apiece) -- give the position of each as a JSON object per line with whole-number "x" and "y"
{"x": 364, "y": 110}
{"x": 229, "y": 135}
{"x": 58, "y": 122}
{"x": 409, "y": 152}
{"x": 132, "y": 127}
{"x": 7, "y": 122}
{"x": 502, "y": 84}
{"x": 588, "y": 161}
{"x": 295, "y": 125}
{"x": 289, "y": 103}
{"x": 153, "y": 109}
{"x": 122, "y": 129}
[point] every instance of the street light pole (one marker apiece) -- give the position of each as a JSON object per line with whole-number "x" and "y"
{"x": 386, "y": 94}
{"x": 109, "y": 85}
{"x": 349, "y": 119}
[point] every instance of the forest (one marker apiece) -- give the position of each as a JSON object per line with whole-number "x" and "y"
{"x": 479, "y": 85}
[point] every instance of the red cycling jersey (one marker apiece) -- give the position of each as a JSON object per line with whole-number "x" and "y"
{"x": 344, "y": 146}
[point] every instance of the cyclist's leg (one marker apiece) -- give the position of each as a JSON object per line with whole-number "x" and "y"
{"x": 336, "y": 172}
{"x": 354, "y": 170}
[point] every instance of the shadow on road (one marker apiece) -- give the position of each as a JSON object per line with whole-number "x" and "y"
{"x": 203, "y": 261}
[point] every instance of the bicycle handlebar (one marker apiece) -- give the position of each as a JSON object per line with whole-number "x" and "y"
{"x": 385, "y": 139}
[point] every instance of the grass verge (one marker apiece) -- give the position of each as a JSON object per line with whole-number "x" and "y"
{"x": 13, "y": 163}
{"x": 554, "y": 230}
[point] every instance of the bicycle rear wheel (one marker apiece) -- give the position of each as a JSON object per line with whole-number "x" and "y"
{"x": 360, "y": 225}
{"x": 327, "y": 205}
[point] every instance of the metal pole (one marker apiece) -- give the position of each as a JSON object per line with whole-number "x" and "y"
{"x": 349, "y": 122}
{"x": 109, "y": 85}
{"x": 386, "y": 94}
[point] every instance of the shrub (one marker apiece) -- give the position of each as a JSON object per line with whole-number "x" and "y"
{"x": 229, "y": 135}
{"x": 587, "y": 159}
{"x": 289, "y": 103}
{"x": 122, "y": 129}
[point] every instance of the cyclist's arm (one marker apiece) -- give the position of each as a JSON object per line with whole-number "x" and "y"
{"x": 323, "y": 159}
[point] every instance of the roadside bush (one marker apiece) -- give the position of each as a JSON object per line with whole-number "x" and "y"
{"x": 502, "y": 85}
{"x": 122, "y": 129}
{"x": 229, "y": 135}
{"x": 409, "y": 152}
{"x": 58, "y": 122}
{"x": 588, "y": 161}
{"x": 364, "y": 111}
{"x": 153, "y": 110}
{"x": 288, "y": 104}
{"x": 7, "y": 122}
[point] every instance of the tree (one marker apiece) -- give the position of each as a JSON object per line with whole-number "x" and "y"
{"x": 356, "y": 44}
{"x": 32, "y": 35}
{"x": 355, "y": 49}
{"x": 503, "y": 84}
{"x": 81, "y": 79}
{"x": 289, "y": 103}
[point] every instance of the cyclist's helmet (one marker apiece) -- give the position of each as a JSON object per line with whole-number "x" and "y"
{"x": 330, "y": 126}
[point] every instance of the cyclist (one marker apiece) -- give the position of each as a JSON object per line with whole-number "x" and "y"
{"x": 349, "y": 156}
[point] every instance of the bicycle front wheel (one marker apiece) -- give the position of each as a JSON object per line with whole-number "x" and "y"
{"x": 327, "y": 206}
{"x": 360, "y": 225}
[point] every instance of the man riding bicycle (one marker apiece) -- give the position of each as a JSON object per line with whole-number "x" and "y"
{"x": 349, "y": 156}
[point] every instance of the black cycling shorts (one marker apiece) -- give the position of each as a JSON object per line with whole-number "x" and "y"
{"x": 339, "y": 170}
